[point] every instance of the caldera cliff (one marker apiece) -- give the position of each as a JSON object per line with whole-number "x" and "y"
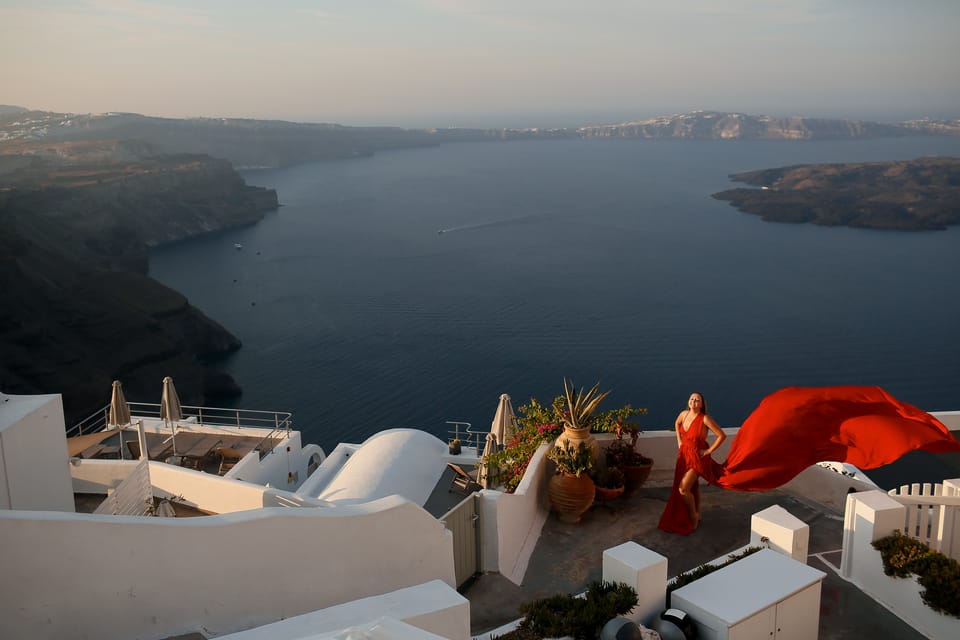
{"x": 78, "y": 307}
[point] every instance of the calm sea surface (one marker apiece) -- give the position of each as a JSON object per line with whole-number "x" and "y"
{"x": 596, "y": 260}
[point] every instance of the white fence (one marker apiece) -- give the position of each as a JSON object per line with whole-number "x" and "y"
{"x": 932, "y": 514}
{"x": 871, "y": 515}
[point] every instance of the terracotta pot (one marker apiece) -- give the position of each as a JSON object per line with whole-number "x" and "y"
{"x": 575, "y": 437}
{"x": 570, "y": 496}
{"x": 635, "y": 475}
{"x": 603, "y": 494}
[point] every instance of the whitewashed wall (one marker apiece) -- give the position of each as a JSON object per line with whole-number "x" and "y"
{"x": 33, "y": 454}
{"x": 159, "y": 577}
{"x": 434, "y": 607}
{"x": 869, "y": 516}
{"x": 825, "y": 487}
{"x": 204, "y": 491}
{"x": 512, "y": 521}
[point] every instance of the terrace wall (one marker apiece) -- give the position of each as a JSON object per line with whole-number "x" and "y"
{"x": 872, "y": 515}
{"x": 159, "y": 577}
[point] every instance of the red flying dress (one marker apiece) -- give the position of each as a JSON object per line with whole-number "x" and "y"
{"x": 799, "y": 426}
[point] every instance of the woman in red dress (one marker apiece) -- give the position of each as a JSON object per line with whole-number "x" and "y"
{"x": 792, "y": 429}
{"x": 682, "y": 514}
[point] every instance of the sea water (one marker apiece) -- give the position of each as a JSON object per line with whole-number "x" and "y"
{"x": 413, "y": 287}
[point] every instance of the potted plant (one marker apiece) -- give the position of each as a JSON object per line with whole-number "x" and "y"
{"x": 455, "y": 447}
{"x": 608, "y": 483}
{"x": 571, "y": 490}
{"x": 576, "y": 409}
{"x": 622, "y": 453}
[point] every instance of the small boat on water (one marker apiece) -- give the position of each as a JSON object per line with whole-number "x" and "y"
{"x": 237, "y": 246}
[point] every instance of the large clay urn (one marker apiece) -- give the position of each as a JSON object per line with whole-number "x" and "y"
{"x": 570, "y": 495}
{"x": 575, "y": 437}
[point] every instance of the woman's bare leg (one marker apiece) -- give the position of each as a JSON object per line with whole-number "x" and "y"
{"x": 687, "y": 493}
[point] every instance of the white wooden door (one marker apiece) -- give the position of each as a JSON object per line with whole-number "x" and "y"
{"x": 759, "y": 626}
{"x": 798, "y": 616}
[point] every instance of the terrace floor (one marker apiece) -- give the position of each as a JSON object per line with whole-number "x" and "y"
{"x": 197, "y": 449}
{"x": 569, "y": 556}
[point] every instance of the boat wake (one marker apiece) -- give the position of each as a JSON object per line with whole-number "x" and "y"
{"x": 495, "y": 223}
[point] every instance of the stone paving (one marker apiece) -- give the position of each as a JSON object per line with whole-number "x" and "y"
{"x": 569, "y": 556}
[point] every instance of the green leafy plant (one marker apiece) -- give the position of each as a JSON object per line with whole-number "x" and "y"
{"x": 623, "y": 452}
{"x": 572, "y": 460}
{"x": 608, "y": 477}
{"x": 567, "y": 615}
{"x": 936, "y": 573}
{"x": 580, "y": 405}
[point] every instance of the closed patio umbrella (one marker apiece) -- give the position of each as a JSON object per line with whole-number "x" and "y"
{"x": 504, "y": 424}
{"x": 119, "y": 409}
{"x": 487, "y": 476}
{"x": 170, "y": 409}
{"x": 119, "y": 415}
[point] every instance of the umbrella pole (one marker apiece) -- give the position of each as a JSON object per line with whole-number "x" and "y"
{"x": 142, "y": 437}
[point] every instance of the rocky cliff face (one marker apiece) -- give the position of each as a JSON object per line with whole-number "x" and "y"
{"x": 272, "y": 143}
{"x": 710, "y": 125}
{"x": 78, "y": 309}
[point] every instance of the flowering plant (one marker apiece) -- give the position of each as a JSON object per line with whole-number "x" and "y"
{"x": 534, "y": 427}
{"x": 538, "y": 423}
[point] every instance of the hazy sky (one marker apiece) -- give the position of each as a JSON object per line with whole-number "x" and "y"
{"x": 482, "y": 62}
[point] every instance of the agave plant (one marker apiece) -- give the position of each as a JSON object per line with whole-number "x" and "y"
{"x": 581, "y": 404}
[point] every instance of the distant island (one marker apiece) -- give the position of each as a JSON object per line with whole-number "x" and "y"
{"x": 913, "y": 195}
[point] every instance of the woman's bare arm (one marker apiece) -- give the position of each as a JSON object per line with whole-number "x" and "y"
{"x": 717, "y": 431}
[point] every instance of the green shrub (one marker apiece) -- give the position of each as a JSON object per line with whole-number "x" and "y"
{"x": 936, "y": 573}
{"x": 686, "y": 577}
{"x": 568, "y": 615}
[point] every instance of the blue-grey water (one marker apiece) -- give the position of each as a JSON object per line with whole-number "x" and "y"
{"x": 598, "y": 260}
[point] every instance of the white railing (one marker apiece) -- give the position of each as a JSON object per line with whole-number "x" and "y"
{"x": 464, "y": 432}
{"x": 932, "y": 515}
{"x": 276, "y": 421}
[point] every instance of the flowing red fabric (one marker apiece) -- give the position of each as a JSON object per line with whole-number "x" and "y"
{"x": 796, "y": 427}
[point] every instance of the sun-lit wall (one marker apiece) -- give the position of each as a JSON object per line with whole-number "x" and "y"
{"x": 159, "y": 577}
{"x": 33, "y": 454}
{"x": 871, "y": 515}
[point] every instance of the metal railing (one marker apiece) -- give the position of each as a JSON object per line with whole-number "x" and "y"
{"x": 464, "y": 432}
{"x": 276, "y": 421}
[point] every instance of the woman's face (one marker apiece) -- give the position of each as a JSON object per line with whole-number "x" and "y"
{"x": 695, "y": 403}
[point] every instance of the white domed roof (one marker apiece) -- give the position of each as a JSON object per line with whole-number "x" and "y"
{"x": 405, "y": 462}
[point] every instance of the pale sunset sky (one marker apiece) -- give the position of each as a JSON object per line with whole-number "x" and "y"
{"x": 482, "y": 62}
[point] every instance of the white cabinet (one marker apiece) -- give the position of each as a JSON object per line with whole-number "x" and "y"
{"x": 765, "y": 596}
